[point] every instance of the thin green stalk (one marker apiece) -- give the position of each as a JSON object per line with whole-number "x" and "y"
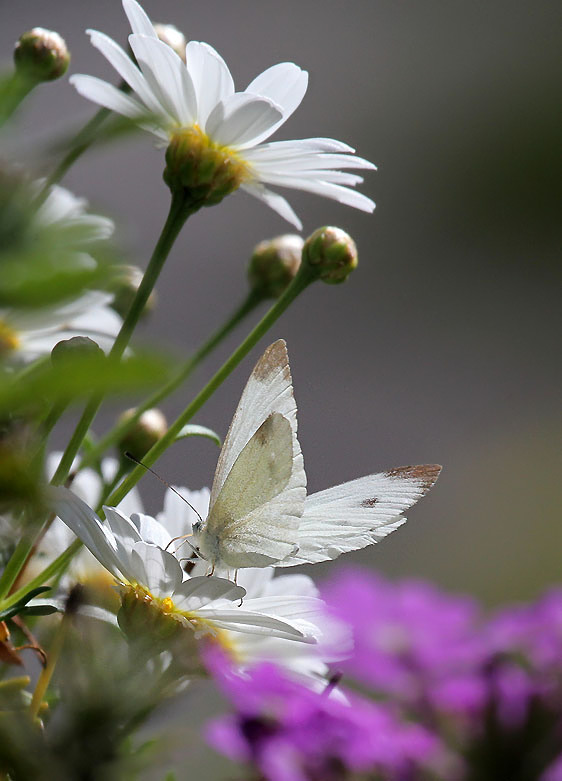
{"x": 14, "y": 566}
{"x": 54, "y": 568}
{"x": 177, "y": 216}
{"x": 12, "y": 93}
{"x": 188, "y": 367}
{"x": 299, "y": 283}
{"x": 83, "y": 140}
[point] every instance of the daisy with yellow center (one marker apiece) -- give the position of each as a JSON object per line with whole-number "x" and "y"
{"x": 216, "y": 135}
{"x": 136, "y": 552}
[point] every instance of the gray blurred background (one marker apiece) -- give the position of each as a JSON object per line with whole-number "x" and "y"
{"x": 443, "y": 346}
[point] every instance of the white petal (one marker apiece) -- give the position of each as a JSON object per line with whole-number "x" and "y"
{"x": 211, "y": 78}
{"x": 150, "y": 530}
{"x": 138, "y": 19}
{"x": 240, "y": 620}
{"x": 177, "y": 516}
{"x": 314, "y": 145}
{"x": 126, "y": 68}
{"x": 195, "y": 593}
{"x": 289, "y": 585}
{"x": 334, "y": 191}
{"x": 86, "y": 525}
{"x": 241, "y": 118}
{"x": 105, "y": 94}
{"x": 336, "y": 177}
{"x": 285, "y": 84}
{"x": 274, "y": 201}
{"x": 124, "y": 532}
{"x": 155, "y": 569}
{"x": 167, "y": 76}
{"x": 271, "y": 155}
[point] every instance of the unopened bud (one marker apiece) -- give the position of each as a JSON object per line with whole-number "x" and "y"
{"x": 124, "y": 286}
{"x": 331, "y": 253}
{"x": 274, "y": 264}
{"x": 41, "y": 55}
{"x": 146, "y": 432}
{"x": 173, "y": 37}
{"x": 76, "y": 347}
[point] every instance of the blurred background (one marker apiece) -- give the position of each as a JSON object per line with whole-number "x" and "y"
{"x": 444, "y": 344}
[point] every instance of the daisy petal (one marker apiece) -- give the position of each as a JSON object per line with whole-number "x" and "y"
{"x": 197, "y": 592}
{"x": 86, "y": 525}
{"x": 138, "y": 19}
{"x": 238, "y": 120}
{"x": 155, "y": 569}
{"x": 239, "y": 620}
{"x": 107, "y": 95}
{"x": 211, "y": 78}
{"x": 167, "y": 76}
{"x": 269, "y": 155}
{"x": 334, "y": 191}
{"x": 274, "y": 201}
{"x": 285, "y": 85}
{"x": 300, "y": 145}
{"x": 126, "y": 68}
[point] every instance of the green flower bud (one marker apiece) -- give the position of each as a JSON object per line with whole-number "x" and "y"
{"x": 331, "y": 253}
{"x": 124, "y": 287}
{"x": 41, "y": 55}
{"x": 78, "y": 346}
{"x": 274, "y": 264}
{"x": 202, "y": 171}
{"x": 173, "y": 37}
{"x": 149, "y": 428}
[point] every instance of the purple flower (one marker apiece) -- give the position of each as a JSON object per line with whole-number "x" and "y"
{"x": 292, "y": 733}
{"x": 412, "y": 642}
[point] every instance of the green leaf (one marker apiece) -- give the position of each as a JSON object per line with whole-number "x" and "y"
{"x": 80, "y": 377}
{"x": 191, "y": 430}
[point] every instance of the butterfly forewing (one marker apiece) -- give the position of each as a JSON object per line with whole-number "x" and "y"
{"x": 255, "y": 518}
{"x": 269, "y": 389}
{"x": 358, "y": 513}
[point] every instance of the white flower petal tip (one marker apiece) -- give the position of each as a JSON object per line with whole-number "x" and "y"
{"x": 195, "y": 101}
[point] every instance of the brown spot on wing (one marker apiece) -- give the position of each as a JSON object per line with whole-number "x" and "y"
{"x": 426, "y": 474}
{"x": 369, "y": 502}
{"x": 275, "y": 357}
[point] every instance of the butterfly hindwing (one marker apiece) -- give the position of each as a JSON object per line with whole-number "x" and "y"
{"x": 358, "y": 513}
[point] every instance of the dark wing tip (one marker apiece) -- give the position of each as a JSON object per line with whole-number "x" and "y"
{"x": 425, "y": 474}
{"x": 274, "y": 357}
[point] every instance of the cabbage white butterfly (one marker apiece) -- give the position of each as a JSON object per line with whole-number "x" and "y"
{"x": 259, "y": 513}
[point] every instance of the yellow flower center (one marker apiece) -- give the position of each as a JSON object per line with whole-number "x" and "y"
{"x": 9, "y": 340}
{"x": 204, "y": 171}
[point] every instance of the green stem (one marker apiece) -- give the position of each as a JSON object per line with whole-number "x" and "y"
{"x": 178, "y": 214}
{"x": 14, "y": 566}
{"x": 53, "y": 569}
{"x": 299, "y": 283}
{"x": 189, "y": 366}
{"x": 12, "y": 93}
{"x": 83, "y": 140}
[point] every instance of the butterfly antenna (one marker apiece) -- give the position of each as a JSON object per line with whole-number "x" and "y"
{"x": 171, "y": 487}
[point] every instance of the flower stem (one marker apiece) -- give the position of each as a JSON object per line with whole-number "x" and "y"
{"x": 47, "y": 672}
{"x": 178, "y": 214}
{"x": 188, "y": 367}
{"x": 304, "y": 277}
{"x": 12, "y": 92}
{"x": 81, "y": 142}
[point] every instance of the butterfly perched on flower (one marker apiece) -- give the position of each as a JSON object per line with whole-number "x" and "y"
{"x": 259, "y": 512}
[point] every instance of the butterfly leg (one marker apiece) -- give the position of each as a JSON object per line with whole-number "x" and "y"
{"x": 212, "y": 572}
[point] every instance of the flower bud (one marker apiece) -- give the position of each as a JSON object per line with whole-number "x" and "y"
{"x": 201, "y": 171}
{"x": 331, "y": 253}
{"x": 274, "y": 264}
{"x": 124, "y": 288}
{"x": 78, "y": 346}
{"x": 149, "y": 428}
{"x": 41, "y": 55}
{"x": 173, "y": 37}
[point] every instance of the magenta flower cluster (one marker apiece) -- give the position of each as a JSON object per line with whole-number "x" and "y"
{"x": 446, "y": 693}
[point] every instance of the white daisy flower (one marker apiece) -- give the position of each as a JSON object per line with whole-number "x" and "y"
{"x": 134, "y": 551}
{"x": 215, "y": 135}
{"x": 293, "y": 597}
{"x": 26, "y": 334}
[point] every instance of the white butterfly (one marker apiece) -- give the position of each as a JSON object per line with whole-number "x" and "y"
{"x": 259, "y": 513}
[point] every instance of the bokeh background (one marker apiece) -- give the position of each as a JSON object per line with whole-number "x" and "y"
{"x": 444, "y": 345}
